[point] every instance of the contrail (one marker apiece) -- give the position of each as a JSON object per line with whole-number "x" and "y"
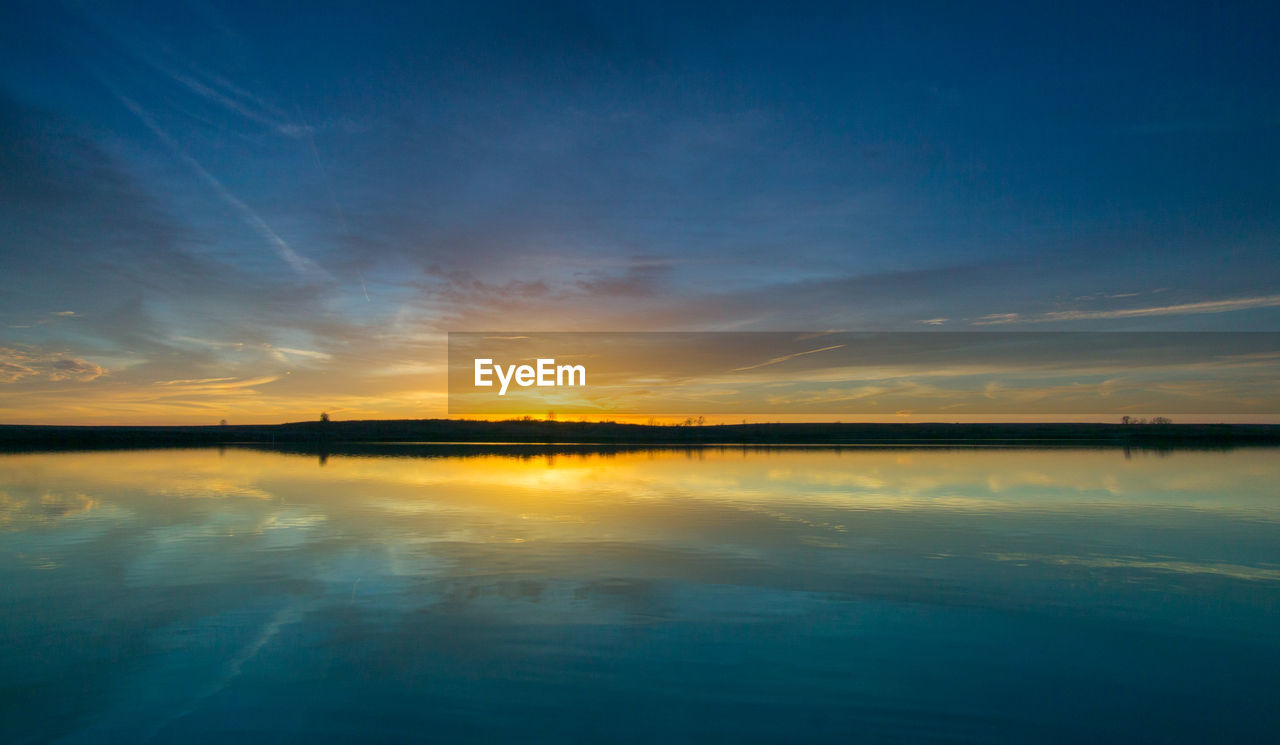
{"x": 333, "y": 195}
{"x": 786, "y": 357}
{"x": 299, "y": 263}
{"x": 328, "y": 182}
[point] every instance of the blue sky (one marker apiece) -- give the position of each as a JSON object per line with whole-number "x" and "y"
{"x": 267, "y": 208}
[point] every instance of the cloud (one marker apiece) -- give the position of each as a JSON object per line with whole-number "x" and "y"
{"x": 786, "y": 357}
{"x": 997, "y": 318}
{"x": 1207, "y": 306}
{"x": 74, "y": 369}
{"x": 140, "y": 44}
{"x": 193, "y": 381}
{"x": 285, "y": 352}
{"x": 22, "y": 363}
{"x": 304, "y": 267}
{"x": 11, "y": 372}
{"x": 222, "y": 92}
{"x": 106, "y": 247}
{"x": 641, "y": 279}
{"x": 277, "y": 353}
{"x": 213, "y": 386}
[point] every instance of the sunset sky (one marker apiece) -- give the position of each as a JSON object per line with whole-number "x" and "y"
{"x": 261, "y": 211}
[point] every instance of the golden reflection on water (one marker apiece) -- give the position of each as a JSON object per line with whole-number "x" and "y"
{"x": 712, "y": 501}
{"x": 594, "y": 486}
{"x": 195, "y": 584}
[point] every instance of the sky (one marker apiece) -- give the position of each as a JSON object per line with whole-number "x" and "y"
{"x": 259, "y": 211}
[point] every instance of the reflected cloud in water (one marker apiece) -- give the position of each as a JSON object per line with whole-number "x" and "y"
{"x": 927, "y": 594}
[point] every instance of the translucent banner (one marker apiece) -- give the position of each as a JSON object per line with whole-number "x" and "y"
{"x": 863, "y": 373}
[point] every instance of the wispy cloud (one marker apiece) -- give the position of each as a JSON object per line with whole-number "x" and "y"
{"x": 786, "y": 357}
{"x": 236, "y": 100}
{"x": 22, "y": 363}
{"x": 1207, "y": 306}
{"x": 303, "y": 266}
{"x": 212, "y": 88}
{"x": 280, "y": 354}
{"x": 193, "y": 381}
{"x": 283, "y": 353}
{"x": 214, "y": 385}
{"x": 998, "y": 318}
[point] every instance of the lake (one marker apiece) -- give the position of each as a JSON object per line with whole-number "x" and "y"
{"x": 665, "y": 596}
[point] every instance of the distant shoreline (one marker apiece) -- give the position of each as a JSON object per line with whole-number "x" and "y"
{"x": 312, "y": 436}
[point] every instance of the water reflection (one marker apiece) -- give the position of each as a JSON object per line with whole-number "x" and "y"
{"x": 640, "y": 595}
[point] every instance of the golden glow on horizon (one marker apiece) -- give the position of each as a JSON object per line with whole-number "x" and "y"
{"x": 109, "y": 400}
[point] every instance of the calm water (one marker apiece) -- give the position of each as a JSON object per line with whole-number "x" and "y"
{"x": 729, "y": 596}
